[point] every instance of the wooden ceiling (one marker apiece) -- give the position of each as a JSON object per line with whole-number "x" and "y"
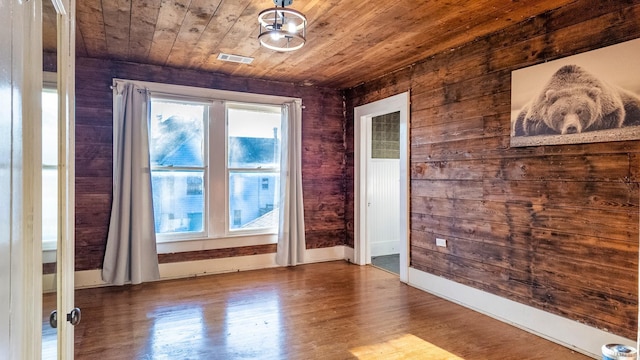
{"x": 348, "y": 41}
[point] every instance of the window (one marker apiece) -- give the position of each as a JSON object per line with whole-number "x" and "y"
{"x": 177, "y": 166}
{"x": 49, "y": 166}
{"x": 215, "y": 167}
{"x": 237, "y": 217}
{"x": 253, "y": 157}
{"x": 194, "y": 185}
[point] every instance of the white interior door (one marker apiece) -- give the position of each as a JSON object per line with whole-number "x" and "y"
{"x": 362, "y": 231}
{"x": 20, "y": 252}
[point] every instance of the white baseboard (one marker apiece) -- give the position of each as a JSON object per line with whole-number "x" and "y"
{"x": 572, "y": 334}
{"x": 349, "y": 254}
{"x": 216, "y": 266}
{"x": 324, "y": 254}
{"x": 48, "y": 283}
{"x": 93, "y": 278}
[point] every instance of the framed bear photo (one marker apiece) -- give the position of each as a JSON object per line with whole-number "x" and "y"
{"x": 584, "y": 98}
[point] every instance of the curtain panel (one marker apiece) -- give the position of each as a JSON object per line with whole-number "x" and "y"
{"x": 291, "y": 239}
{"x": 131, "y": 254}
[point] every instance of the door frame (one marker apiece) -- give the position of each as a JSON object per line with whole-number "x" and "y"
{"x": 363, "y": 114}
{"x": 65, "y": 252}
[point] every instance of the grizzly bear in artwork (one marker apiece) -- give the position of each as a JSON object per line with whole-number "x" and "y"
{"x": 575, "y": 101}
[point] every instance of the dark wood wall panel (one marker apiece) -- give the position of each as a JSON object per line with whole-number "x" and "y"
{"x": 554, "y": 227}
{"x": 323, "y": 154}
{"x": 218, "y": 254}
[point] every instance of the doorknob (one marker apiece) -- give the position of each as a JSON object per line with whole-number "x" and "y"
{"x": 53, "y": 319}
{"x": 73, "y": 317}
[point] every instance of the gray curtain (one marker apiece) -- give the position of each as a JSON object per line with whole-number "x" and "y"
{"x": 291, "y": 240}
{"x": 131, "y": 254}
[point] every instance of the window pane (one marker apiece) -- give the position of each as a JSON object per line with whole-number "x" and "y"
{"x": 178, "y": 201}
{"x": 177, "y": 134}
{"x": 254, "y": 136}
{"x": 50, "y": 205}
{"x": 385, "y": 136}
{"x": 49, "y": 168}
{"x": 49, "y": 127}
{"x": 253, "y": 200}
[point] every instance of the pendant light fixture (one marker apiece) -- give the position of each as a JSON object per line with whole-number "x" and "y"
{"x": 282, "y": 29}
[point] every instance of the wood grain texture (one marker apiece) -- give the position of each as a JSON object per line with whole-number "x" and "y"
{"x": 49, "y": 27}
{"x": 347, "y": 42}
{"x": 554, "y": 227}
{"x": 117, "y": 22}
{"x": 168, "y": 23}
{"x": 144, "y": 14}
{"x": 216, "y": 254}
{"x": 320, "y": 311}
{"x": 322, "y": 158}
{"x": 228, "y": 13}
{"x": 196, "y": 20}
{"x": 90, "y": 26}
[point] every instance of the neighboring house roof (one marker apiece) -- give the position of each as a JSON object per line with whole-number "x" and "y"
{"x": 188, "y": 153}
{"x": 180, "y": 143}
{"x": 264, "y": 221}
{"x": 249, "y": 150}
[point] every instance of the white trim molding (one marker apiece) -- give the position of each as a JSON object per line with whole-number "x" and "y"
{"x": 362, "y": 115}
{"x": 324, "y": 254}
{"x": 349, "y": 253}
{"x": 177, "y": 270}
{"x": 571, "y": 334}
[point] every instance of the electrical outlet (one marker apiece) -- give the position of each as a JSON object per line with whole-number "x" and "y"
{"x": 441, "y": 242}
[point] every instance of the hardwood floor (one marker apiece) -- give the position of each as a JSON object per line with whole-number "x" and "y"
{"x": 329, "y": 310}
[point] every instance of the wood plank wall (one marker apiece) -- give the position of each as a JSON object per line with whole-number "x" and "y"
{"x": 554, "y": 227}
{"x": 322, "y": 143}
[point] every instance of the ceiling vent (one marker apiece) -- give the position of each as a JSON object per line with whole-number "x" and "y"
{"x": 235, "y": 58}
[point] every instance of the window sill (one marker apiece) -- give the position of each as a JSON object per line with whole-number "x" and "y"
{"x": 174, "y": 246}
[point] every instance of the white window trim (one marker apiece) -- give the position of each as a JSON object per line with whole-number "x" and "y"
{"x": 212, "y": 96}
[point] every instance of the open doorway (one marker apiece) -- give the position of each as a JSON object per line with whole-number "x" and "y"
{"x": 381, "y": 184}
{"x": 383, "y": 190}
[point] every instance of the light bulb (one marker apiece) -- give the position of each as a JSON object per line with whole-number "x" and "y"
{"x": 276, "y": 35}
{"x": 291, "y": 27}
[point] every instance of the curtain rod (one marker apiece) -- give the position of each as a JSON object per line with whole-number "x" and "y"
{"x": 209, "y": 100}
